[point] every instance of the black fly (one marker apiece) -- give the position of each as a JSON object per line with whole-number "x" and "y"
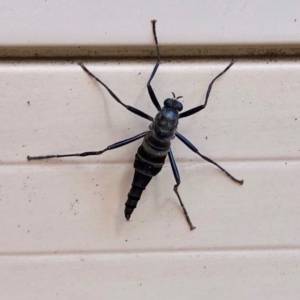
{"x": 156, "y": 145}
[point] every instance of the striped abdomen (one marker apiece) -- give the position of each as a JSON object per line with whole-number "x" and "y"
{"x": 149, "y": 160}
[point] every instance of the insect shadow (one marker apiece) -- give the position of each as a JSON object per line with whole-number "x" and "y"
{"x": 156, "y": 145}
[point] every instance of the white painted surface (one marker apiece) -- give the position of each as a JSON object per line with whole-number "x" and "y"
{"x": 251, "y": 114}
{"x": 100, "y": 22}
{"x": 191, "y": 275}
{"x": 63, "y": 234}
{"x": 246, "y": 245}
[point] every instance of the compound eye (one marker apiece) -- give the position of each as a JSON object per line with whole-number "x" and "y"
{"x": 178, "y": 106}
{"x": 168, "y": 103}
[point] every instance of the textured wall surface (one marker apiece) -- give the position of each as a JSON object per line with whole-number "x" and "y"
{"x": 63, "y": 234}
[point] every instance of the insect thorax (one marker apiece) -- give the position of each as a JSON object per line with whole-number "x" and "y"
{"x": 165, "y": 123}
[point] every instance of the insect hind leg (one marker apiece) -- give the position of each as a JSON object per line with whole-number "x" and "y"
{"x": 177, "y": 178}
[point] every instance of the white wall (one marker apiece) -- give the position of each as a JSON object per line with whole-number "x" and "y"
{"x": 63, "y": 234}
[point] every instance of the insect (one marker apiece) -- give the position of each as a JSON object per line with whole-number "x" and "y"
{"x": 156, "y": 145}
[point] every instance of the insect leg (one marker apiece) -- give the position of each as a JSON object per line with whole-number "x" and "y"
{"x": 200, "y": 107}
{"x": 177, "y": 178}
{"x": 110, "y": 147}
{"x": 149, "y": 87}
{"x": 194, "y": 149}
{"x": 130, "y": 108}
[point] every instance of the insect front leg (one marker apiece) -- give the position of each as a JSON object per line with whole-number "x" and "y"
{"x": 200, "y": 107}
{"x": 149, "y": 87}
{"x": 128, "y": 107}
{"x": 83, "y": 154}
{"x": 177, "y": 178}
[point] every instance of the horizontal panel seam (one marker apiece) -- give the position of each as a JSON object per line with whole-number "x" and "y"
{"x": 204, "y": 251}
{"x": 186, "y": 163}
